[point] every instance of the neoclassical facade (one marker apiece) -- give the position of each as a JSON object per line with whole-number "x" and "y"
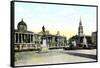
{"x": 25, "y": 39}
{"x": 28, "y": 40}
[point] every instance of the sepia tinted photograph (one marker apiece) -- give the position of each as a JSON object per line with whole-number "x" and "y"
{"x": 52, "y": 33}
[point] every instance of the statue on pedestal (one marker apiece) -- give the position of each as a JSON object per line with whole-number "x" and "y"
{"x": 43, "y": 30}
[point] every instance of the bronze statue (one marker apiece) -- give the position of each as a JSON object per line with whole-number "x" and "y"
{"x": 43, "y": 29}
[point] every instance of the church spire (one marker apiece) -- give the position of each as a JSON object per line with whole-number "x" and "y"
{"x": 80, "y": 22}
{"x": 80, "y": 29}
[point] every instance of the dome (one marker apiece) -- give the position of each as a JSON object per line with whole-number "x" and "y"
{"x": 22, "y": 26}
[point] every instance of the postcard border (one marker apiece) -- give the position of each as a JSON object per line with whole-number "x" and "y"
{"x": 12, "y": 63}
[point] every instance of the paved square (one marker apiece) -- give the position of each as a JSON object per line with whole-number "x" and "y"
{"x": 54, "y": 56}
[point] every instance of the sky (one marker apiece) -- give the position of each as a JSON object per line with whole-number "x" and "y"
{"x": 62, "y": 18}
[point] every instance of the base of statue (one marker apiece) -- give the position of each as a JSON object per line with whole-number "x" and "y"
{"x": 44, "y": 48}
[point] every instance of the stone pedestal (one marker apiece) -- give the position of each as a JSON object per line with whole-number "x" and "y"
{"x": 44, "y": 46}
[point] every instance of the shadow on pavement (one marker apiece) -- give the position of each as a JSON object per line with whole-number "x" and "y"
{"x": 84, "y": 55}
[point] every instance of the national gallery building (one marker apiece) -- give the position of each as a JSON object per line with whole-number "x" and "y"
{"x": 28, "y": 40}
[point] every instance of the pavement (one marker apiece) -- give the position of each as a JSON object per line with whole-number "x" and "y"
{"x": 54, "y": 57}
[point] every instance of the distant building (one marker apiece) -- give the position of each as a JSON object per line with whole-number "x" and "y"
{"x": 28, "y": 40}
{"x": 94, "y": 38}
{"x": 81, "y": 39}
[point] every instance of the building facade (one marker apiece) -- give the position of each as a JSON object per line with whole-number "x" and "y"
{"x": 94, "y": 38}
{"x": 28, "y": 40}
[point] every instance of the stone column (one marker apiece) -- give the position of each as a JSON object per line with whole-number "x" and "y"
{"x": 18, "y": 38}
{"x": 21, "y": 38}
{"x": 15, "y": 38}
{"x": 30, "y": 41}
{"x": 26, "y": 38}
{"x": 30, "y": 38}
{"x": 33, "y": 39}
